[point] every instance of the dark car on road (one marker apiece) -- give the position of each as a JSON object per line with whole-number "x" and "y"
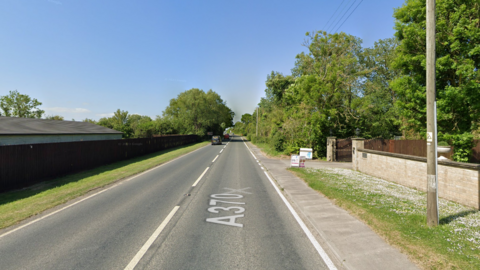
{"x": 216, "y": 140}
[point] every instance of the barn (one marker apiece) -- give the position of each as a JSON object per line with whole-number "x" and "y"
{"x": 17, "y": 130}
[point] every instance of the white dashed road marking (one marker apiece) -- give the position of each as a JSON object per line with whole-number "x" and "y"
{"x": 198, "y": 180}
{"x": 309, "y": 234}
{"x": 150, "y": 240}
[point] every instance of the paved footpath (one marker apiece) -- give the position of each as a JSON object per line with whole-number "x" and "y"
{"x": 349, "y": 242}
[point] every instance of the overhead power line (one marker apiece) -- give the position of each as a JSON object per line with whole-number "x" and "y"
{"x": 349, "y": 15}
{"x": 335, "y": 20}
{"x": 343, "y": 15}
{"x": 325, "y": 27}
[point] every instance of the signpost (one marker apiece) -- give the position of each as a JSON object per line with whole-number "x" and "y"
{"x": 297, "y": 161}
{"x": 307, "y": 152}
{"x": 302, "y": 162}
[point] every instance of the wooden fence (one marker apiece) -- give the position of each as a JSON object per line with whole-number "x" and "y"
{"x": 413, "y": 148}
{"x": 24, "y": 165}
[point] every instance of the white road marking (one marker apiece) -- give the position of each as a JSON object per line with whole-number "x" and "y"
{"x": 309, "y": 234}
{"x": 215, "y": 158}
{"x": 226, "y": 196}
{"x": 150, "y": 240}
{"x": 214, "y": 202}
{"x": 215, "y": 211}
{"x": 241, "y": 190}
{"x": 230, "y": 222}
{"x": 198, "y": 180}
{"x": 221, "y": 151}
{"x": 53, "y": 213}
{"x": 95, "y": 194}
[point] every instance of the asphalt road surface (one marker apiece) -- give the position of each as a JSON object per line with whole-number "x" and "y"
{"x": 180, "y": 215}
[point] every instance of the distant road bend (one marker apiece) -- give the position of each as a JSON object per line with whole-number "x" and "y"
{"x": 214, "y": 208}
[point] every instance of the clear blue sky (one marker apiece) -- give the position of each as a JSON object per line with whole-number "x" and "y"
{"x": 88, "y": 58}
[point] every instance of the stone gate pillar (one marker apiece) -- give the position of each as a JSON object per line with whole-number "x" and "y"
{"x": 331, "y": 148}
{"x": 357, "y": 143}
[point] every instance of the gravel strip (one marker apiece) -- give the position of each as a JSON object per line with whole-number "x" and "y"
{"x": 461, "y": 221}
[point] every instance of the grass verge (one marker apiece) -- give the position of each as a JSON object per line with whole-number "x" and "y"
{"x": 18, "y": 205}
{"x": 398, "y": 214}
{"x": 270, "y": 150}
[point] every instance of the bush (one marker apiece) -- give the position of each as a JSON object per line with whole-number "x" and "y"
{"x": 462, "y": 145}
{"x": 278, "y": 141}
{"x": 291, "y": 149}
{"x": 443, "y": 143}
{"x": 252, "y": 138}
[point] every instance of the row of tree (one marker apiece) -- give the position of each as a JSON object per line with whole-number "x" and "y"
{"x": 192, "y": 112}
{"x": 338, "y": 86}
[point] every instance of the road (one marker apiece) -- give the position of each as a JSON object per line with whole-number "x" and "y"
{"x": 180, "y": 215}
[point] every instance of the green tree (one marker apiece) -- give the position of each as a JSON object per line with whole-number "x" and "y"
{"x": 327, "y": 85}
{"x": 164, "y": 126}
{"x": 246, "y": 118}
{"x": 105, "y": 122}
{"x": 380, "y": 116}
{"x": 239, "y": 128}
{"x": 119, "y": 122}
{"x": 89, "y": 121}
{"x": 276, "y": 84}
{"x": 142, "y": 126}
{"x": 457, "y": 67}
{"x": 197, "y": 112}
{"x": 19, "y": 105}
{"x": 54, "y": 117}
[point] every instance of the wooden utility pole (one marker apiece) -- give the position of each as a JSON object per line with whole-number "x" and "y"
{"x": 257, "y": 125}
{"x": 432, "y": 179}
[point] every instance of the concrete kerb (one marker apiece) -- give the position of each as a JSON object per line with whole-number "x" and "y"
{"x": 349, "y": 242}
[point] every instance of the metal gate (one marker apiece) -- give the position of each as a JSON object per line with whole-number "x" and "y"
{"x": 344, "y": 150}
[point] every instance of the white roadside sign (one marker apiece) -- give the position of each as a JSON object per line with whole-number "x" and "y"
{"x": 295, "y": 161}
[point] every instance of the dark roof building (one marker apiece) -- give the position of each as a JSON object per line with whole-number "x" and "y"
{"x": 17, "y": 130}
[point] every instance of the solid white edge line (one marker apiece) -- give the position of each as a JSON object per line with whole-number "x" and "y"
{"x": 150, "y": 240}
{"x": 198, "y": 180}
{"x": 95, "y": 194}
{"x": 215, "y": 158}
{"x": 51, "y": 214}
{"x": 309, "y": 234}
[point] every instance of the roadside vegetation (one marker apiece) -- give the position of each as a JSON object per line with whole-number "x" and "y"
{"x": 269, "y": 150}
{"x": 397, "y": 213}
{"x": 337, "y": 85}
{"x": 192, "y": 112}
{"x": 19, "y": 205}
